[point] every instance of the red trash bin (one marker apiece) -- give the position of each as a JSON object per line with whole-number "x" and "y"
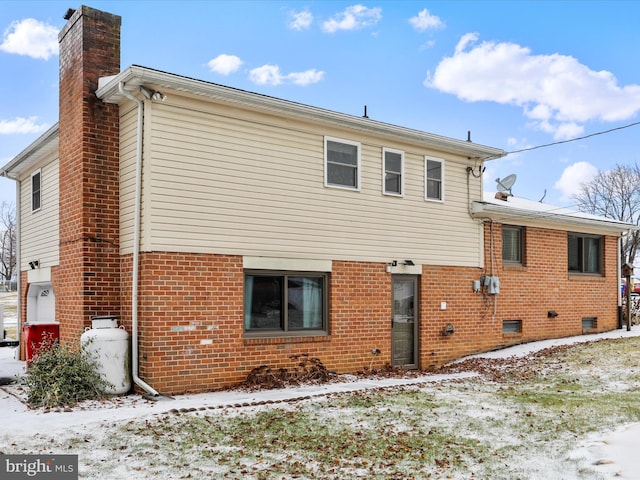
{"x": 38, "y": 336}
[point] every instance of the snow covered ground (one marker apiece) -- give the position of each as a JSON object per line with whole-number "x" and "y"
{"x": 611, "y": 453}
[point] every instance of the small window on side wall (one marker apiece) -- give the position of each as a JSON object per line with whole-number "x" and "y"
{"x": 393, "y": 172}
{"x": 341, "y": 163}
{"x": 434, "y": 179}
{"x": 584, "y": 253}
{"x": 36, "y": 190}
{"x": 512, "y": 245}
{"x": 511, "y": 326}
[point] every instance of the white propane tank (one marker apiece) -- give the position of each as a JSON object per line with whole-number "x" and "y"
{"x": 109, "y": 345}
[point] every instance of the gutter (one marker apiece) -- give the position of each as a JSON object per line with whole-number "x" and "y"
{"x": 135, "y": 75}
{"x": 136, "y": 247}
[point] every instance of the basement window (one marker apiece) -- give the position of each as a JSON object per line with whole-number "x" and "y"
{"x": 589, "y": 323}
{"x": 511, "y": 326}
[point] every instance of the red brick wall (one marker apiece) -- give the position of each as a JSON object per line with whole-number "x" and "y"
{"x": 88, "y": 278}
{"x": 191, "y": 324}
{"x": 191, "y": 313}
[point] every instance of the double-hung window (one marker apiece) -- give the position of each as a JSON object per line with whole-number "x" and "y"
{"x": 433, "y": 179}
{"x": 585, "y": 253}
{"x": 285, "y": 303}
{"x": 393, "y": 172}
{"x": 512, "y": 245}
{"x": 341, "y": 163}
{"x": 36, "y": 190}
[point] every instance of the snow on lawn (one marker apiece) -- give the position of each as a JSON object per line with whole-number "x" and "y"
{"x": 109, "y": 436}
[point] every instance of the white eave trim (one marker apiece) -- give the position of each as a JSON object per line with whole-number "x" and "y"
{"x": 134, "y": 76}
{"x": 43, "y": 146}
{"x": 550, "y": 219}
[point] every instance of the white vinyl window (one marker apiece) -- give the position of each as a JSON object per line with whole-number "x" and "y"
{"x": 36, "y": 190}
{"x": 341, "y": 163}
{"x": 434, "y": 179}
{"x": 392, "y": 172}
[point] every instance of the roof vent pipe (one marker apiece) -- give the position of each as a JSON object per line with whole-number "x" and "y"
{"x": 136, "y": 247}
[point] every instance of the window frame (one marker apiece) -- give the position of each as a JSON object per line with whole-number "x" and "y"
{"x": 512, "y": 327}
{"x": 385, "y": 170}
{"x": 581, "y": 254}
{"x": 358, "y": 166}
{"x": 284, "y": 330}
{"x": 521, "y": 245}
{"x": 440, "y": 198}
{"x": 38, "y": 192}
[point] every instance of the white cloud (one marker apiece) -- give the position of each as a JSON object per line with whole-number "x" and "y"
{"x": 573, "y": 177}
{"x": 555, "y": 91}
{"x": 21, "y": 125}
{"x": 266, "y": 75}
{"x": 224, "y": 64}
{"x": 425, "y": 21}
{"x": 32, "y": 38}
{"x": 353, "y": 18}
{"x": 301, "y": 20}
{"x": 271, "y": 75}
{"x": 307, "y": 77}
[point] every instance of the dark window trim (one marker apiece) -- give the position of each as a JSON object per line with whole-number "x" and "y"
{"x": 581, "y": 254}
{"x": 522, "y": 241}
{"x": 280, "y": 333}
{"x": 36, "y": 195}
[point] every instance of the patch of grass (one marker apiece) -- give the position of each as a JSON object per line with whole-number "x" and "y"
{"x": 518, "y": 424}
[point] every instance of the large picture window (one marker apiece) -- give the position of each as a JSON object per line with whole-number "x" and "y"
{"x": 393, "y": 172}
{"x": 342, "y": 163}
{"x": 434, "y": 179}
{"x": 584, "y": 253}
{"x": 290, "y": 303}
{"x": 512, "y": 245}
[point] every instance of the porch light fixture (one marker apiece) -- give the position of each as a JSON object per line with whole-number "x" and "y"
{"x": 152, "y": 94}
{"x": 409, "y": 263}
{"x": 552, "y": 314}
{"x": 34, "y": 264}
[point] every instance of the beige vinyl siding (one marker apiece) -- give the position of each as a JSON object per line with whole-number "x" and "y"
{"x": 39, "y": 235}
{"x": 220, "y": 179}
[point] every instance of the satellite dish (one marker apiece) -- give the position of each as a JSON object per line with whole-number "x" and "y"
{"x": 505, "y": 184}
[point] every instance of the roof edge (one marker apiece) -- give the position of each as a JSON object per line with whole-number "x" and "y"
{"x": 561, "y": 220}
{"x": 135, "y": 75}
{"x": 40, "y": 147}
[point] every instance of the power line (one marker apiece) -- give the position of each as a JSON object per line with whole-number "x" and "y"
{"x": 575, "y": 139}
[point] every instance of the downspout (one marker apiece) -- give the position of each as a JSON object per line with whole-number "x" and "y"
{"x": 136, "y": 247}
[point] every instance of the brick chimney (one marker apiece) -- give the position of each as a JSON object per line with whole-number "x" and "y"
{"x": 87, "y": 282}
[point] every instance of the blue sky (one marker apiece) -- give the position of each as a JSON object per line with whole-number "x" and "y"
{"x": 516, "y": 74}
